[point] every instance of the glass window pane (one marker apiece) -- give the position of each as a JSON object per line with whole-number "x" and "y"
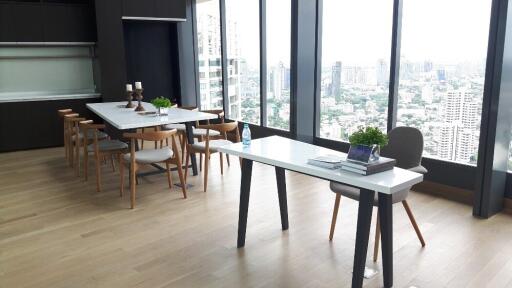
{"x": 243, "y": 51}
{"x": 209, "y": 53}
{"x": 278, "y": 63}
{"x": 356, "y": 48}
{"x": 442, "y": 74}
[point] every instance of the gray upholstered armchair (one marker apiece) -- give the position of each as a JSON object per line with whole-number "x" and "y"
{"x": 406, "y": 146}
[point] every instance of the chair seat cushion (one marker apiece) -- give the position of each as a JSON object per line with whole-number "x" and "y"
{"x": 177, "y": 126}
{"x": 108, "y": 145}
{"x": 202, "y": 132}
{"x": 151, "y": 156}
{"x": 90, "y": 135}
{"x": 353, "y": 193}
{"x": 214, "y": 145}
{"x": 419, "y": 169}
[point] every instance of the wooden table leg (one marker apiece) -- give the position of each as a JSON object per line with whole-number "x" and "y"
{"x": 364, "y": 220}
{"x": 245, "y": 189}
{"x": 386, "y": 228}
{"x": 190, "y": 138}
{"x": 281, "y": 190}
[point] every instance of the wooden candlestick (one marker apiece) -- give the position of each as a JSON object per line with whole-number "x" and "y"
{"x": 129, "y": 97}
{"x": 138, "y": 93}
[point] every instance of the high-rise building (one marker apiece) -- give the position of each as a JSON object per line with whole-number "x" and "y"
{"x": 336, "y": 79}
{"x": 382, "y": 73}
{"x": 458, "y": 137}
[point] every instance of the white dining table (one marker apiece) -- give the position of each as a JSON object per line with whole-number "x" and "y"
{"x": 286, "y": 154}
{"x": 123, "y": 118}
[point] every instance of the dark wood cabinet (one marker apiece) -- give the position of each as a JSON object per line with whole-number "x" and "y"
{"x": 155, "y": 8}
{"x": 47, "y": 21}
{"x": 170, "y": 9}
{"x": 7, "y": 23}
{"x": 42, "y": 129}
{"x": 28, "y": 22}
{"x": 139, "y": 8}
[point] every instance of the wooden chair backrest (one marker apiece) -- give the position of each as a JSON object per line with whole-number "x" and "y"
{"x": 85, "y": 126}
{"x": 224, "y": 129}
{"x": 63, "y": 112}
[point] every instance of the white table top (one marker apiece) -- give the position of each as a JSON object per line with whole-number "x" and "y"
{"x": 293, "y": 155}
{"x": 126, "y": 118}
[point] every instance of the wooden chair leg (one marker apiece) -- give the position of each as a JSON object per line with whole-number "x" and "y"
{"x": 206, "y": 164}
{"x": 121, "y": 173}
{"x": 334, "y": 215}
{"x": 169, "y": 178}
{"x": 112, "y": 163}
{"x": 77, "y": 159}
{"x": 182, "y": 180}
{"x": 413, "y": 222}
{"x": 98, "y": 172}
{"x": 200, "y": 162}
{"x": 142, "y": 141}
{"x": 377, "y": 239}
{"x": 132, "y": 186}
{"x": 221, "y": 164}
{"x": 86, "y": 163}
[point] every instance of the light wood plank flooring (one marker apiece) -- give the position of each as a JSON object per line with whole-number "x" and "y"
{"x": 55, "y": 231}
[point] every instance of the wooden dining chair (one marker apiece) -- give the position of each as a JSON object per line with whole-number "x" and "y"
{"x": 104, "y": 149}
{"x": 62, "y": 113}
{"x": 155, "y": 128}
{"x": 211, "y": 144}
{"x": 182, "y": 131}
{"x": 71, "y": 123}
{"x": 80, "y": 138}
{"x": 165, "y": 155}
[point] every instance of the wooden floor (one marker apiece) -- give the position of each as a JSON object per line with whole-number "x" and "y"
{"x": 55, "y": 231}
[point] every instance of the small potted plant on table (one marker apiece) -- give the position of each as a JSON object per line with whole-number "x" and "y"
{"x": 162, "y": 105}
{"x": 370, "y": 138}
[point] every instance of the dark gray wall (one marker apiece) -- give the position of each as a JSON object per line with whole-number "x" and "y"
{"x": 302, "y": 110}
{"x": 187, "y": 59}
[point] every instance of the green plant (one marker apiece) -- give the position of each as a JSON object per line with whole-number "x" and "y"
{"x": 369, "y": 136}
{"x": 161, "y": 102}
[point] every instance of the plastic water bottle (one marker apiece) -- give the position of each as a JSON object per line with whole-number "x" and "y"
{"x": 246, "y": 135}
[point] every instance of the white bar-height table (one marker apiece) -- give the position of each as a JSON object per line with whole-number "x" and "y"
{"x": 123, "y": 118}
{"x": 285, "y": 154}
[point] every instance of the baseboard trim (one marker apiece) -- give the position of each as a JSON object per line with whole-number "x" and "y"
{"x": 447, "y": 192}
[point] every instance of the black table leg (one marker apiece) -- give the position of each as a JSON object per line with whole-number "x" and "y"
{"x": 190, "y": 138}
{"x": 245, "y": 190}
{"x": 364, "y": 220}
{"x": 281, "y": 191}
{"x": 386, "y": 228}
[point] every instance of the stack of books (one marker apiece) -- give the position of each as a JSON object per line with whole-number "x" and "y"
{"x": 337, "y": 162}
{"x": 327, "y": 161}
{"x": 381, "y": 165}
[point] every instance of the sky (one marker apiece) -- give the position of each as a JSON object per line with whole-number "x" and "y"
{"x": 359, "y": 31}
{"x": 438, "y": 30}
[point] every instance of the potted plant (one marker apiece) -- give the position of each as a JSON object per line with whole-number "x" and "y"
{"x": 162, "y": 104}
{"x": 371, "y": 137}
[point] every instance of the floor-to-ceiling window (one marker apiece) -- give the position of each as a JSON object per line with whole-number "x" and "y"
{"x": 442, "y": 71}
{"x": 278, "y": 33}
{"x": 243, "y": 53}
{"x": 356, "y": 49}
{"x": 209, "y": 53}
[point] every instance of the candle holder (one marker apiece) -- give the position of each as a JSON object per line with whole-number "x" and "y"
{"x": 129, "y": 97}
{"x": 139, "y": 97}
